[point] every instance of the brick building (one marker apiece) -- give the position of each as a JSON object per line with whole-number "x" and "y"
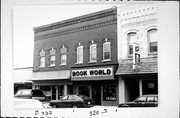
{"x": 94, "y": 55}
{"x": 79, "y": 56}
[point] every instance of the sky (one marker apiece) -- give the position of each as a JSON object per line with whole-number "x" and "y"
{"x": 25, "y": 18}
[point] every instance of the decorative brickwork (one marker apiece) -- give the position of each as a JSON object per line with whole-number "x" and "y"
{"x": 78, "y": 29}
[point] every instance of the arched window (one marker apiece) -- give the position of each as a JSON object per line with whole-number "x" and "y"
{"x": 106, "y": 51}
{"x": 93, "y": 52}
{"x": 80, "y": 54}
{"x": 63, "y": 55}
{"x": 152, "y": 38}
{"x": 42, "y": 58}
{"x": 52, "y": 61}
{"x": 132, "y": 37}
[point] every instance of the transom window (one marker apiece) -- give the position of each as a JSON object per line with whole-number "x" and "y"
{"x": 106, "y": 51}
{"x": 63, "y": 56}
{"x": 93, "y": 52}
{"x": 132, "y": 37}
{"x": 152, "y": 37}
{"x": 80, "y": 54}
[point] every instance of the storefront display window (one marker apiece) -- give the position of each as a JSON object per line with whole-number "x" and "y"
{"x": 109, "y": 92}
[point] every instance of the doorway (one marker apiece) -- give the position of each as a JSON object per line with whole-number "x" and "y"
{"x": 96, "y": 93}
{"x": 132, "y": 89}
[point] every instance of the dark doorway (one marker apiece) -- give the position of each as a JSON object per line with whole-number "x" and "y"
{"x": 132, "y": 88}
{"x": 53, "y": 93}
{"x": 96, "y": 93}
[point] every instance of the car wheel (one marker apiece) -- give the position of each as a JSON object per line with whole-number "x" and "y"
{"x": 74, "y": 106}
{"x": 54, "y": 106}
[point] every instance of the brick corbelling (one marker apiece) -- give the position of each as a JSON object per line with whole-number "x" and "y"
{"x": 76, "y": 20}
{"x": 78, "y": 29}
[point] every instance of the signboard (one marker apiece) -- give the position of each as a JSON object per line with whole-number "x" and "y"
{"x": 92, "y": 72}
{"x": 136, "y": 55}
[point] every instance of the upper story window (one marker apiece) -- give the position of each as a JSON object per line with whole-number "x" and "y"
{"x": 63, "y": 55}
{"x": 106, "y": 50}
{"x": 80, "y": 54}
{"x": 152, "y": 38}
{"x": 52, "y": 61}
{"x": 42, "y": 58}
{"x": 132, "y": 37}
{"x": 93, "y": 52}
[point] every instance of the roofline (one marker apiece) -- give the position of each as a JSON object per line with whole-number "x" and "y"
{"x": 76, "y": 20}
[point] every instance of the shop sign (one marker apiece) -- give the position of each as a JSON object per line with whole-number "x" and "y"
{"x": 92, "y": 72}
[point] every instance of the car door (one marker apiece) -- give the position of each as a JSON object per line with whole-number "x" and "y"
{"x": 63, "y": 102}
{"x": 151, "y": 101}
{"x": 71, "y": 101}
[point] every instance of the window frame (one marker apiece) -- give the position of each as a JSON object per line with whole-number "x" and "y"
{"x": 50, "y": 60}
{"x": 109, "y": 50}
{"x": 79, "y": 49}
{"x": 149, "y": 42}
{"x": 63, "y": 51}
{"x": 42, "y": 55}
{"x": 52, "y": 54}
{"x": 91, "y": 53}
{"x": 129, "y": 44}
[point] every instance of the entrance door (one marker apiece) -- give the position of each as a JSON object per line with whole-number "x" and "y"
{"x": 96, "y": 93}
{"x": 132, "y": 89}
{"x": 53, "y": 97}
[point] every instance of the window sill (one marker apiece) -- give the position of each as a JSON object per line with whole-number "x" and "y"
{"x": 92, "y": 62}
{"x": 62, "y": 65}
{"x": 106, "y": 60}
{"x": 41, "y": 66}
{"x": 78, "y": 63}
{"x": 51, "y": 65}
{"x": 152, "y": 54}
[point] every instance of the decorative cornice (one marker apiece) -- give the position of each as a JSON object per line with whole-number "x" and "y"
{"x": 139, "y": 23}
{"x": 78, "y": 29}
{"x": 84, "y": 18}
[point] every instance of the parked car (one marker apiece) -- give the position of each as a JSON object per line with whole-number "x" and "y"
{"x": 142, "y": 101}
{"x": 29, "y": 103}
{"x": 30, "y": 94}
{"x": 73, "y": 101}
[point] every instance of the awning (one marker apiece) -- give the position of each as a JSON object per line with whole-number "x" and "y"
{"x": 22, "y": 75}
{"x": 51, "y": 75}
{"x": 143, "y": 68}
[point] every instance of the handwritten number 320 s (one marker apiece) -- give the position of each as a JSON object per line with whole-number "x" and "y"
{"x": 92, "y": 113}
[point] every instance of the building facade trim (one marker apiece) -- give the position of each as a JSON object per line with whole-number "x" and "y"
{"x": 79, "y": 29}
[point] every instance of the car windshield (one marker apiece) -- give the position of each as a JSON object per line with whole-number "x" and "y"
{"x": 23, "y": 92}
{"x": 141, "y": 99}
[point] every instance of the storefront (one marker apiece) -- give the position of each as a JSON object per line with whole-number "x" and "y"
{"x": 97, "y": 82}
{"x": 54, "y": 84}
{"x": 140, "y": 81}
